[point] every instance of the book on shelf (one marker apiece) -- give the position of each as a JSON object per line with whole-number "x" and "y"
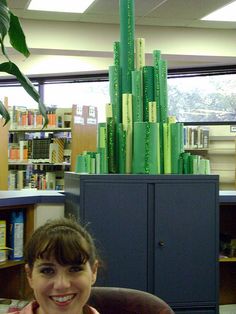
{"x": 23, "y": 150}
{"x": 21, "y": 179}
{"x": 56, "y": 150}
{"x": 40, "y": 149}
{"x": 63, "y": 117}
{"x": 205, "y": 136}
{"x": 196, "y": 137}
{"x": 12, "y": 179}
{"x": 51, "y": 180}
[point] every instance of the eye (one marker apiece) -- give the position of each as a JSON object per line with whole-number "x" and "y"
{"x": 76, "y": 268}
{"x": 47, "y": 270}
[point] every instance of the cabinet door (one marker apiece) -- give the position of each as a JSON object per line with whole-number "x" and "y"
{"x": 186, "y": 247}
{"x": 117, "y": 216}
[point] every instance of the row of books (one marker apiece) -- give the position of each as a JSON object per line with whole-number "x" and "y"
{"x": 41, "y": 180}
{"x": 196, "y": 137}
{"x": 22, "y": 117}
{"x": 39, "y": 150}
{"x": 12, "y": 236}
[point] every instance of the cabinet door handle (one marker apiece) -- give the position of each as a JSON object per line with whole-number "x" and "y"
{"x": 161, "y": 243}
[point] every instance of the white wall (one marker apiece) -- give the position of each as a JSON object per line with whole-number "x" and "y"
{"x": 62, "y": 47}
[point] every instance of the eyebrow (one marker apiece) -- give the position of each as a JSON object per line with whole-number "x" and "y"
{"x": 45, "y": 264}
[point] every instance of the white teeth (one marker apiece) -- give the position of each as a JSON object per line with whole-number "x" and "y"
{"x": 63, "y": 299}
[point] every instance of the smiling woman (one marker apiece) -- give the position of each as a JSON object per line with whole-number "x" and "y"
{"x": 10, "y": 25}
{"x": 61, "y": 267}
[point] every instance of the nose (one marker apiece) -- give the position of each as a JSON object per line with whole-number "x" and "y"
{"x": 61, "y": 281}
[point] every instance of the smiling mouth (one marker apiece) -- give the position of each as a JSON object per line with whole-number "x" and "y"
{"x": 62, "y": 300}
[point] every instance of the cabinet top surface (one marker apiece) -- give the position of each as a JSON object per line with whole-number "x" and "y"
{"x": 24, "y": 197}
{"x": 142, "y": 177}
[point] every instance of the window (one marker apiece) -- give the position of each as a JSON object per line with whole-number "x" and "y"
{"x": 80, "y": 93}
{"x": 206, "y": 95}
{"x": 17, "y": 96}
{"x": 204, "y": 98}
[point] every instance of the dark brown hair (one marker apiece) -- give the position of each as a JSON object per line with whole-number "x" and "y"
{"x": 63, "y": 239}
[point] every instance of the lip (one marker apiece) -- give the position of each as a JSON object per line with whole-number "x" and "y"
{"x": 63, "y": 300}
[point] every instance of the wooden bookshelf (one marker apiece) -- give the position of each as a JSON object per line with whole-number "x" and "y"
{"x": 8, "y": 264}
{"x": 25, "y": 163}
{"x": 227, "y": 265}
{"x": 221, "y": 152}
{"x": 44, "y": 170}
{"x": 4, "y": 152}
{"x": 12, "y": 273}
{"x": 83, "y": 132}
{"x": 34, "y": 130}
{"x": 83, "y": 128}
{"x": 227, "y": 260}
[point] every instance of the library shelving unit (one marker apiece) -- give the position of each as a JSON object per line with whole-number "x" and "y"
{"x": 12, "y": 272}
{"x": 220, "y": 150}
{"x": 222, "y": 155}
{"x": 4, "y": 154}
{"x": 83, "y": 131}
{"x": 39, "y": 157}
{"x": 227, "y": 259}
{"x": 78, "y": 131}
{"x": 38, "y": 206}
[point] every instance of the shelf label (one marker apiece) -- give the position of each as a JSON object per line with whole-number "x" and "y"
{"x": 78, "y": 120}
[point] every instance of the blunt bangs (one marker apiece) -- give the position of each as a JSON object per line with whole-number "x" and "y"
{"x": 66, "y": 245}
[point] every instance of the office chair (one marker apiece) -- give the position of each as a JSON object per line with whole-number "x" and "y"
{"x": 109, "y": 300}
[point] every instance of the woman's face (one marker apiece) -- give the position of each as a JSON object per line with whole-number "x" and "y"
{"x": 61, "y": 289}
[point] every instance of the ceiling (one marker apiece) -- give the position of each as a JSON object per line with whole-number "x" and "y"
{"x": 173, "y": 13}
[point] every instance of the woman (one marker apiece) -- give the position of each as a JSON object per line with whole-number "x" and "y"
{"x": 61, "y": 266}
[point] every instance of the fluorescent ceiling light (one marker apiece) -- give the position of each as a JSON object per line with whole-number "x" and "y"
{"x": 226, "y": 13}
{"x": 70, "y": 6}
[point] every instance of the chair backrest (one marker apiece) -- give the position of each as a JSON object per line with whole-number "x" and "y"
{"x": 109, "y": 300}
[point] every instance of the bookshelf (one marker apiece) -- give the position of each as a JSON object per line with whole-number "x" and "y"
{"x": 227, "y": 260}
{"x": 83, "y": 131}
{"x": 76, "y": 129}
{"x": 221, "y": 152}
{"x": 38, "y": 158}
{"x": 4, "y": 155}
{"x": 12, "y": 272}
{"x": 196, "y": 138}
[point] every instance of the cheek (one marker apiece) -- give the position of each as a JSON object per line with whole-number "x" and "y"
{"x": 83, "y": 282}
{"x": 38, "y": 284}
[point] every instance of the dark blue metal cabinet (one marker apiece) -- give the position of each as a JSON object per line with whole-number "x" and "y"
{"x": 157, "y": 233}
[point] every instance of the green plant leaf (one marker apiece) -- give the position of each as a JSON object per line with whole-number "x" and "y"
{"x": 11, "y": 68}
{"x": 4, "y": 24}
{"x": 4, "y": 19}
{"x": 4, "y": 113}
{"x": 17, "y": 36}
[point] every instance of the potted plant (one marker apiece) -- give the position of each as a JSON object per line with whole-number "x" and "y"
{"x": 10, "y": 25}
